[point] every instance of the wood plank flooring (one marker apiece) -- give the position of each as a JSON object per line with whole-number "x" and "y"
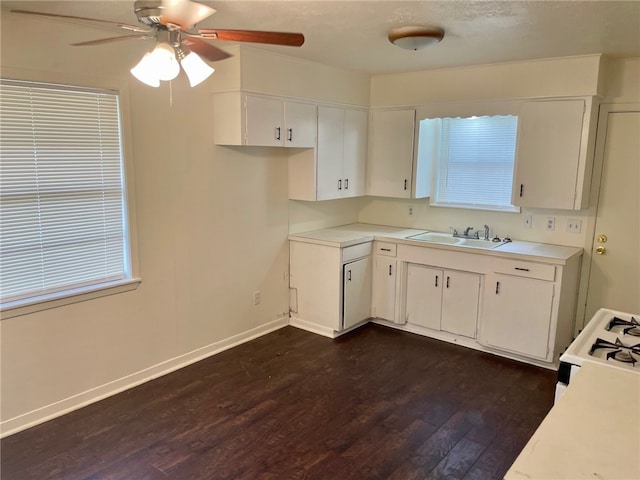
{"x": 376, "y": 403}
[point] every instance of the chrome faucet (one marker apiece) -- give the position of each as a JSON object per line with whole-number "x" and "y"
{"x": 467, "y": 231}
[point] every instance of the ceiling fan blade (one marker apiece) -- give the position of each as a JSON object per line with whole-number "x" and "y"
{"x": 108, "y": 40}
{"x": 273, "y": 38}
{"x": 184, "y": 13}
{"x": 204, "y": 49}
{"x": 125, "y": 26}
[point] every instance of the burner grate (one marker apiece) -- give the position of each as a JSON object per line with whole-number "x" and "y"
{"x": 617, "y": 351}
{"x": 626, "y": 327}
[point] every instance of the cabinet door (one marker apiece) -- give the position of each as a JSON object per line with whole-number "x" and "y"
{"x": 301, "y": 124}
{"x": 355, "y": 153}
{"x": 460, "y": 293}
{"x": 330, "y": 153}
{"x": 517, "y": 314}
{"x": 263, "y": 121}
{"x": 390, "y": 159}
{"x": 424, "y": 296}
{"x": 547, "y": 163}
{"x": 384, "y": 288}
{"x": 356, "y": 292}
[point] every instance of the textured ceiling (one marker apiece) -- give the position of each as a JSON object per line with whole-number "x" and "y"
{"x": 353, "y": 34}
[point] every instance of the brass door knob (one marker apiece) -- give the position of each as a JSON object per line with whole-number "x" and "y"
{"x": 600, "y": 250}
{"x": 602, "y": 239}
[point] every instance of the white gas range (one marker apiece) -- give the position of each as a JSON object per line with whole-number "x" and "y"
{"x": 611, "y": 338}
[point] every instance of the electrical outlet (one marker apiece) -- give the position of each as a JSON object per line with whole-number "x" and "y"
{"x": 574, "y": 225}
{"x": 410, "y": 210}
{"x": 551, "y": 224}
{"x": 527, "y": 221}
{"x": 256, "y": 297}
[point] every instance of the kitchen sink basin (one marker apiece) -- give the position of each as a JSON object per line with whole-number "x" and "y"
{"x": 448, "y": 239}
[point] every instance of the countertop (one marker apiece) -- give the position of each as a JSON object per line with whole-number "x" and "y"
{"x": 593, "y": 431}
{"x": 353, "y": 234}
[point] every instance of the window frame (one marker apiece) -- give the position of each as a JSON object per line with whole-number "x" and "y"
{"x": 428, "y": 170}
{"x": 32, "y": 304}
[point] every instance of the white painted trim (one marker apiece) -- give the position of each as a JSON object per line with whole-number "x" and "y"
{"x": 69, "y": 404}
{"x": 312, "y": 327}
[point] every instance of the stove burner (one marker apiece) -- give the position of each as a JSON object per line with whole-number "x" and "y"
{"x": 626, "y": 327}
{"x": 617, "y": 351}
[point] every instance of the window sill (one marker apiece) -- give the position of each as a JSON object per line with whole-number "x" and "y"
{"x": 67, "y": 297}
{"x": 470, "y": 206}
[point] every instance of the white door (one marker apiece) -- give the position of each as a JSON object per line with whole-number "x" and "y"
{"x": 330, "y": 153}
{"x": 301, "y": 121}
{"x": 356, "y": 292}
{"x": 390, "y": 153}
{"x": 517, "y": 314}
{"x": 355, "y": 152}
{"x": 384, "y": 288}
{"x": 424, "y": 296}
{"x": 264, "y": 121}
{"x": 614, "y": 278}
{"x": 460, "y": 295}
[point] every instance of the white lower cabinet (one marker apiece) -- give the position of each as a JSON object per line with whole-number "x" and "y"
{"x": 517, "y": 315}
{"x": 442, "y": 299}
{"x": 383, "y": 301}
{"x": 330, "y": 286}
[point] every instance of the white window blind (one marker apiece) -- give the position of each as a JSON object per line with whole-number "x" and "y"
{"x": 474, "y": 159}
{"x": 62, "y": 212}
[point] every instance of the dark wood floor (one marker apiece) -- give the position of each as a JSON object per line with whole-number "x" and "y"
{"x": 374, "y": 404}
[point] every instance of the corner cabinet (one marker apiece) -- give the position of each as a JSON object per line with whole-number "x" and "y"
{"x": 342, "y": 153}
{"x": 257, "y": 120}
{"x": 390, "y": 158}
{"x": 330, "y": 286}
{"x": 383, "y": 302}
{"x": 555, "y": 153}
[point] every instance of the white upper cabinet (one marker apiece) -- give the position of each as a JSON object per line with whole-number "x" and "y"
{"x": 337, "y": 170}
{"x": 554, "y": 155}
{"x": 243, "y": 119}
{"x": 390, "y": 158}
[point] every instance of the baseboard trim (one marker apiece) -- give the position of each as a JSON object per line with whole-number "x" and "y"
{"x": 75, "y": 402}
{"x": 312, "y": 327}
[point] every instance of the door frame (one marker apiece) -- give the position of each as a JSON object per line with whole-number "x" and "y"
{"x": 594, "y": 199}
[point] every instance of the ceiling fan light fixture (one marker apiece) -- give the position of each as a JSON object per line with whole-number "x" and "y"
{"x": 416, "y": 38}
{"x": 196, "y": 69}
{"x": 143, "y": 72}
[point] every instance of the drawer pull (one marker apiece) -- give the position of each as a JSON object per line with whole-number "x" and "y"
{"x": 521, "y": 269}
{"x": 385, "y": 249}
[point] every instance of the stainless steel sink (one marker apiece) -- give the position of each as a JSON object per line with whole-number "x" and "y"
{"x": 448, "y": 239}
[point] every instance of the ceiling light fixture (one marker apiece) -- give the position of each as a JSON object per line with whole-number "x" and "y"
{"x": 416, "y": 38}
{"x": 161, "y": 64}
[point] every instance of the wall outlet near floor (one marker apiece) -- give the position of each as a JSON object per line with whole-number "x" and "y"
{"x": 527, "y": 221}
{"x": 574, "y": 225}
{"x": 256, "y": 297}
{"x": 551, "y": 224}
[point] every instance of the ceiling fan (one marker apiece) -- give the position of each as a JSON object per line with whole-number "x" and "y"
{"x": 169, "y": 22}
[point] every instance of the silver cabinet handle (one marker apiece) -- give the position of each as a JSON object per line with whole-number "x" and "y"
{"x": 346, "y": 184}
{"x": 277, "y": 133}
{"x": 340, "y": 184}
{"x": 349, "y": 275}
{"x": 290, "y": 136}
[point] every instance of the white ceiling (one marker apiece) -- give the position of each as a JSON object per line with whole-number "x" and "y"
{"x": 353, "y": 34}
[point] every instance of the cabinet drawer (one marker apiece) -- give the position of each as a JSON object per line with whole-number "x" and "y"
{"x": 388, "y": 249}
{"x": 540, "y": 271}
{"x": 356, "y": 251}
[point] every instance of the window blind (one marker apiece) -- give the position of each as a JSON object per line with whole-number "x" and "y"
{"x": 474, "y": 160}
{"x": 62, "y": 215}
